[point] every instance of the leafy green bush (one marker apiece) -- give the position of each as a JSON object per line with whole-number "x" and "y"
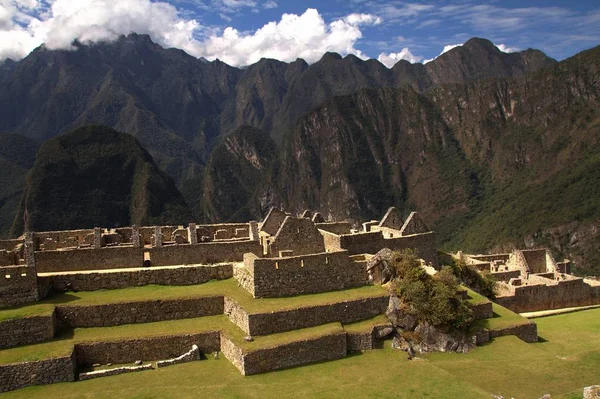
{"x": 435, "y": 300}
{"x": 481, "y": 282}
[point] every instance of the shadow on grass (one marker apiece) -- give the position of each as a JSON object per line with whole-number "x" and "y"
{"x": 61, "y": 298}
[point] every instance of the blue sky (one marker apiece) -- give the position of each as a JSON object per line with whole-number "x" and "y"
{"x": 242, "y": 31}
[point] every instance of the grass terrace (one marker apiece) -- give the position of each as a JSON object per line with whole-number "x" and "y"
{"x": 565, "y": 361}
{"x": 227, "y": 288}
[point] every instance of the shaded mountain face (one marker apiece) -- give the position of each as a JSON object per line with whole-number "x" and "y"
{"x": 17, "y": 155}
{"x": 492, "y": 163}
{"x": 96, "y": 176}
{"x": 178, "y": 106}
{"x": 358, "y": 155}
{"x": 236, "y": 171}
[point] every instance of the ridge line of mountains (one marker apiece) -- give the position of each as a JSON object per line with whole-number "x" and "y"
{"x": 494, "y": 149}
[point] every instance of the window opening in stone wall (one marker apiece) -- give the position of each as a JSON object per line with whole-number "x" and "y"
{"x": 276, "y": 265}
{"x": 301, "y": 262}
{"x": 7, "y": 276}
{"x": 23, "y": 274}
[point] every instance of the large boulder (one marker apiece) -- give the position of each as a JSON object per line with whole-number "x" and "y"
{"x": 380, "y": 268}
{"x": 591, "y": 392}
{"x": 399, "y": 314}
{"x": 432, "y": 339}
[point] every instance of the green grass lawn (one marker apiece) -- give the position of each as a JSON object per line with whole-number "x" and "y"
{"x": 502, "y": 318}
{"x": 366, "y": 325}
{"x": 567, "y": 359}
{"x": 227, "y": 288}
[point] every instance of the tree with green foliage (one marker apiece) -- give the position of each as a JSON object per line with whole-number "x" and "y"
{"x": 433, "y": 299}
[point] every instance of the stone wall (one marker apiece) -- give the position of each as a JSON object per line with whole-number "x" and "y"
{"x": 88, "y": 259}
{"x": 237, "y": 315}
{"x": 113, "y": 371}
{"x": 232, "y": 352}
{"x": 62, "y": 239}
{"x": 507, "y": 275}
{"x": 203, "y": 253}
{"x": 8, "y": 258}
{"x": 134, "y": 278}
{"x": 425, "y": 244}
{"x": 243, "y": 275}
{"x": 298, "y": 235}
{"x": 329, "y": 347}
{"x": 526, "y": 332}
{"x": 332, "y": 241}
{"x": 115, "y": 314}
{"x": 338, "y": 228}
{"x": 362, "y": 341}
{"x": 18, "y": 285}
{"x": 27, "y": 330}
{"x": 294, "y": 319}
{"x": 9, "y": 245}
{"x": 372, "y": 242}
{"x": 276, "y": 277}
{"x": 50, "y": 371}
{"x": 362, "y": 243}
{"x": 564, "y": 294}
{"x": 482, "y": 310}
{"x": 152, "y": 348}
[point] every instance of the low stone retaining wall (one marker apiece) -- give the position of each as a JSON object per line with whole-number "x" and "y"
{"x": 482, "y": 310}
{"x": 190, "y": 356}
{"x": 329, "y": 347}
{"x": 115, "y": 314}
{"x": 50, "y": 371}
{"x": 293, "y": 319}
{"x": 27, "y": 330}
{"x": 526, "y": 332}
{"x": 232, "y": 352}
{"x": 152, "y": 348}
{"x": 189, "y": 275}
{"x": 116, "y": 371}
{"x": 237, "y": 315}
{"x": 359, "y": 341}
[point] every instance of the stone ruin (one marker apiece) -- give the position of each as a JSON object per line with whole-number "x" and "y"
{"x": 530, "y": 280}
{"x": 282, "y": 256}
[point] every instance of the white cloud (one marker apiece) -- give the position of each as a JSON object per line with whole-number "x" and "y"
{"x": 270, "y": 4}
{"x": 389, "y": 60}
{"x": 506, "y": 49}
{"x": 362, "y": 19}
{"x": 305, "y": 36}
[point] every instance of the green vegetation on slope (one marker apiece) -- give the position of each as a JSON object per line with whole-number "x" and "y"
{"x": 17, "y": 155}
{"x": 96, "y": 176}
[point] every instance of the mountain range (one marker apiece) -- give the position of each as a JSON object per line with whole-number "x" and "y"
{"x": 493, "y": 149}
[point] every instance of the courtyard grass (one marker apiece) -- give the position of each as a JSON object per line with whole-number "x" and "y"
{"x": 366, "y": 325}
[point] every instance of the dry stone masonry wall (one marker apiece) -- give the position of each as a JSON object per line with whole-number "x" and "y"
{"x": 115, "y": 314}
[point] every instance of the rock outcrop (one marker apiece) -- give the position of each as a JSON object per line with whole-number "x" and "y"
{"x": 415, "y": 336}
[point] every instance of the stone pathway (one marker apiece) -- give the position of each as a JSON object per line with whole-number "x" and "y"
{"x": 543, "y": 313}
